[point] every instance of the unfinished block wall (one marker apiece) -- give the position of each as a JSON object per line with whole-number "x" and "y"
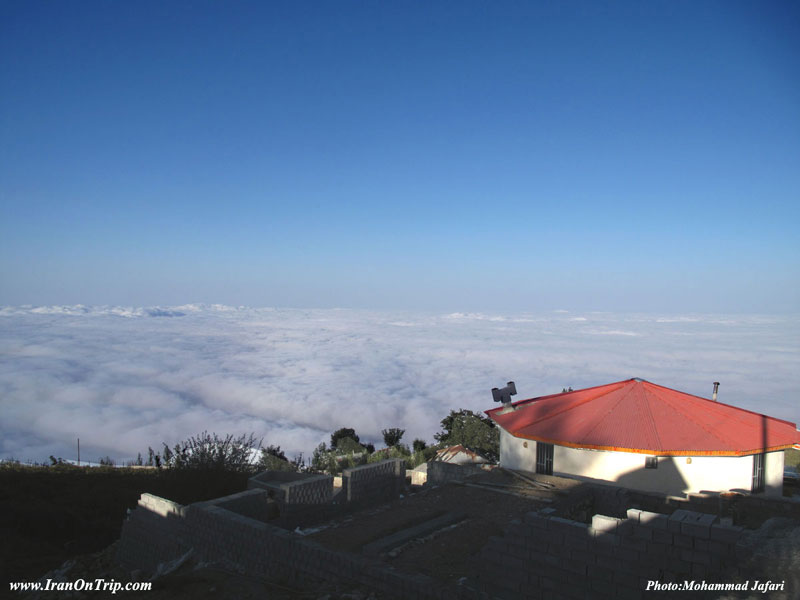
{"x": 159, "y": 531}
{"x": 374, "y": 482}
{"x": 611, "y": 558}
{"x": 155, "y": 532}
{"x": 294, "y": 492}
{"x": 440, "y": 472}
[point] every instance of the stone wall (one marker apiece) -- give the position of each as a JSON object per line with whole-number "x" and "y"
{"x": 374, "y": 482}
{"x": 544, "y": 555}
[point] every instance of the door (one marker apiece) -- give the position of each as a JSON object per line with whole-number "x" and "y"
{"x": 758, "y": 473}
{"x": 544, "y": 458}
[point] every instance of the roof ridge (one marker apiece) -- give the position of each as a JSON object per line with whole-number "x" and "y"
{"x": 730, "y": 442}
{"x": 646, "y": 407}
{"x": 582, "y": 402}
{"x": 717, "y": 403}
{"x": 548, "y": 396}
{"x": 598, "y": 421}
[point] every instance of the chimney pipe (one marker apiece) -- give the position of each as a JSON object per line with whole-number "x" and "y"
{"x": 716, "y": 387}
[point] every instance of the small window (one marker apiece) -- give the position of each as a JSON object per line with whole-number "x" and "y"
{"x": 651, "y": 462}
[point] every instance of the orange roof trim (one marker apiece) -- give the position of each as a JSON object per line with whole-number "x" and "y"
{"x": 644, "y": 418}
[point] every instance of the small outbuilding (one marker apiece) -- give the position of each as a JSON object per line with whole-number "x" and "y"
{"x": 459, "y": 455}
{"x": 643, "y": 436}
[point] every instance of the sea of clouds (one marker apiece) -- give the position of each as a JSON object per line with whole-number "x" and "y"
{"x": 123, "y": 379}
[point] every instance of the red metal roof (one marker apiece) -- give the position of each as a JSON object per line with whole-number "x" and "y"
{"x": 639, "y": 416}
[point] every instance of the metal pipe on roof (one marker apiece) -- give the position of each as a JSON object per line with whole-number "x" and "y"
{"x": 716, "y": 387}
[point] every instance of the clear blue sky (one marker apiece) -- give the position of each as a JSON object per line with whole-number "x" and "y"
{"x": 432, "y": 155}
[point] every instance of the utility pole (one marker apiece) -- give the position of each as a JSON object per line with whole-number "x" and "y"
{"x": 79, "y": 452}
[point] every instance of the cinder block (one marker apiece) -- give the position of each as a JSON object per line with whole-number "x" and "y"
{"x": 682, "y": 541}
{"x": 643, "y": 533}
{"x": 604, "y": 523}
{"x": 662, "y": 536}
{"x": 534, "y": 519}
{"x": 600, "y": 573}
{"x": 577, "y": 543}
{"x": 627, "y": 593}
{"x": 586, "y": 557}
{"x": 633, "y": 544}
{"x": 678, "y": 566}
{"x": 697, "y": 530}
{"x": 654, "y": 520}
{"x": 608, "y": 562}
{"x": 633, "y": 514}
{"x": 604, "y": 537}
{"x": 626, "y": 555}
{"x": 720, "y": 549}
{"x": 559, "y": 524}
{"x": 575, "y": 566}
{"x": 722, "y": 533}
{"x": 675, "y": 519}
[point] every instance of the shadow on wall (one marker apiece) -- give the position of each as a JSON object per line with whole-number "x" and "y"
{"x": 666, "y": 478}
{"x": 669, "y": 478}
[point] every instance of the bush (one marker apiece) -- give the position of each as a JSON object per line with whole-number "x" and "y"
{"x": 399, "y": 451}
{"x": 211, "y": 452}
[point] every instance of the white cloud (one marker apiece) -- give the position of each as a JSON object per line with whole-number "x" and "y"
{"x": 123, "y": 379}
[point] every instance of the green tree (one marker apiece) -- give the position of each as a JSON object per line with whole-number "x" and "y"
{"x": 348, "y": 445}
{"x": 324, "y": 460}
{"x": 472, "y": 431}
{"x": 392, "y": 436}
{"x": 273, "y": 459}
{"x": 344, "y": 432}
{"x": 419, "y": 445}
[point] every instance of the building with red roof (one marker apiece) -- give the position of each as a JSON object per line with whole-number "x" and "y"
{"x": 645, "y": 436}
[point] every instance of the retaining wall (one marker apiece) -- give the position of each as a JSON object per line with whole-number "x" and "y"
{"x": 611, "y": 558}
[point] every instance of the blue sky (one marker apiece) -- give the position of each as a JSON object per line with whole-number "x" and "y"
{"x": 449, "y": 155}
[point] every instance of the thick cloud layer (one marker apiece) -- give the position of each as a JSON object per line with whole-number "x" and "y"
{"x": 123, "y": 379}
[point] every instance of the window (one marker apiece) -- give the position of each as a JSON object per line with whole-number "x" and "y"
{"x": 650, "y": 462}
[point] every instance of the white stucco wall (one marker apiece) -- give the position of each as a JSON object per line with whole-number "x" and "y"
{"x": 774, "y": 474}
{"x": 674, "y": 475}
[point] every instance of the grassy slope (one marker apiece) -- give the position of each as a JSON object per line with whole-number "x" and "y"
{"x": 48, "y": 514}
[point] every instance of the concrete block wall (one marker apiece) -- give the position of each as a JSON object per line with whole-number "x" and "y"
{"x": 611, "y": 558}
{"x": 155, "y": 532}
{"x": 441, "y": 472}
{"x": 374, "y": 482}
{"x": 159, "y": 531}
{"x": 417, "y": 477}
{"x": 295, "y": 493}
{"x": 252, "y": 504}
